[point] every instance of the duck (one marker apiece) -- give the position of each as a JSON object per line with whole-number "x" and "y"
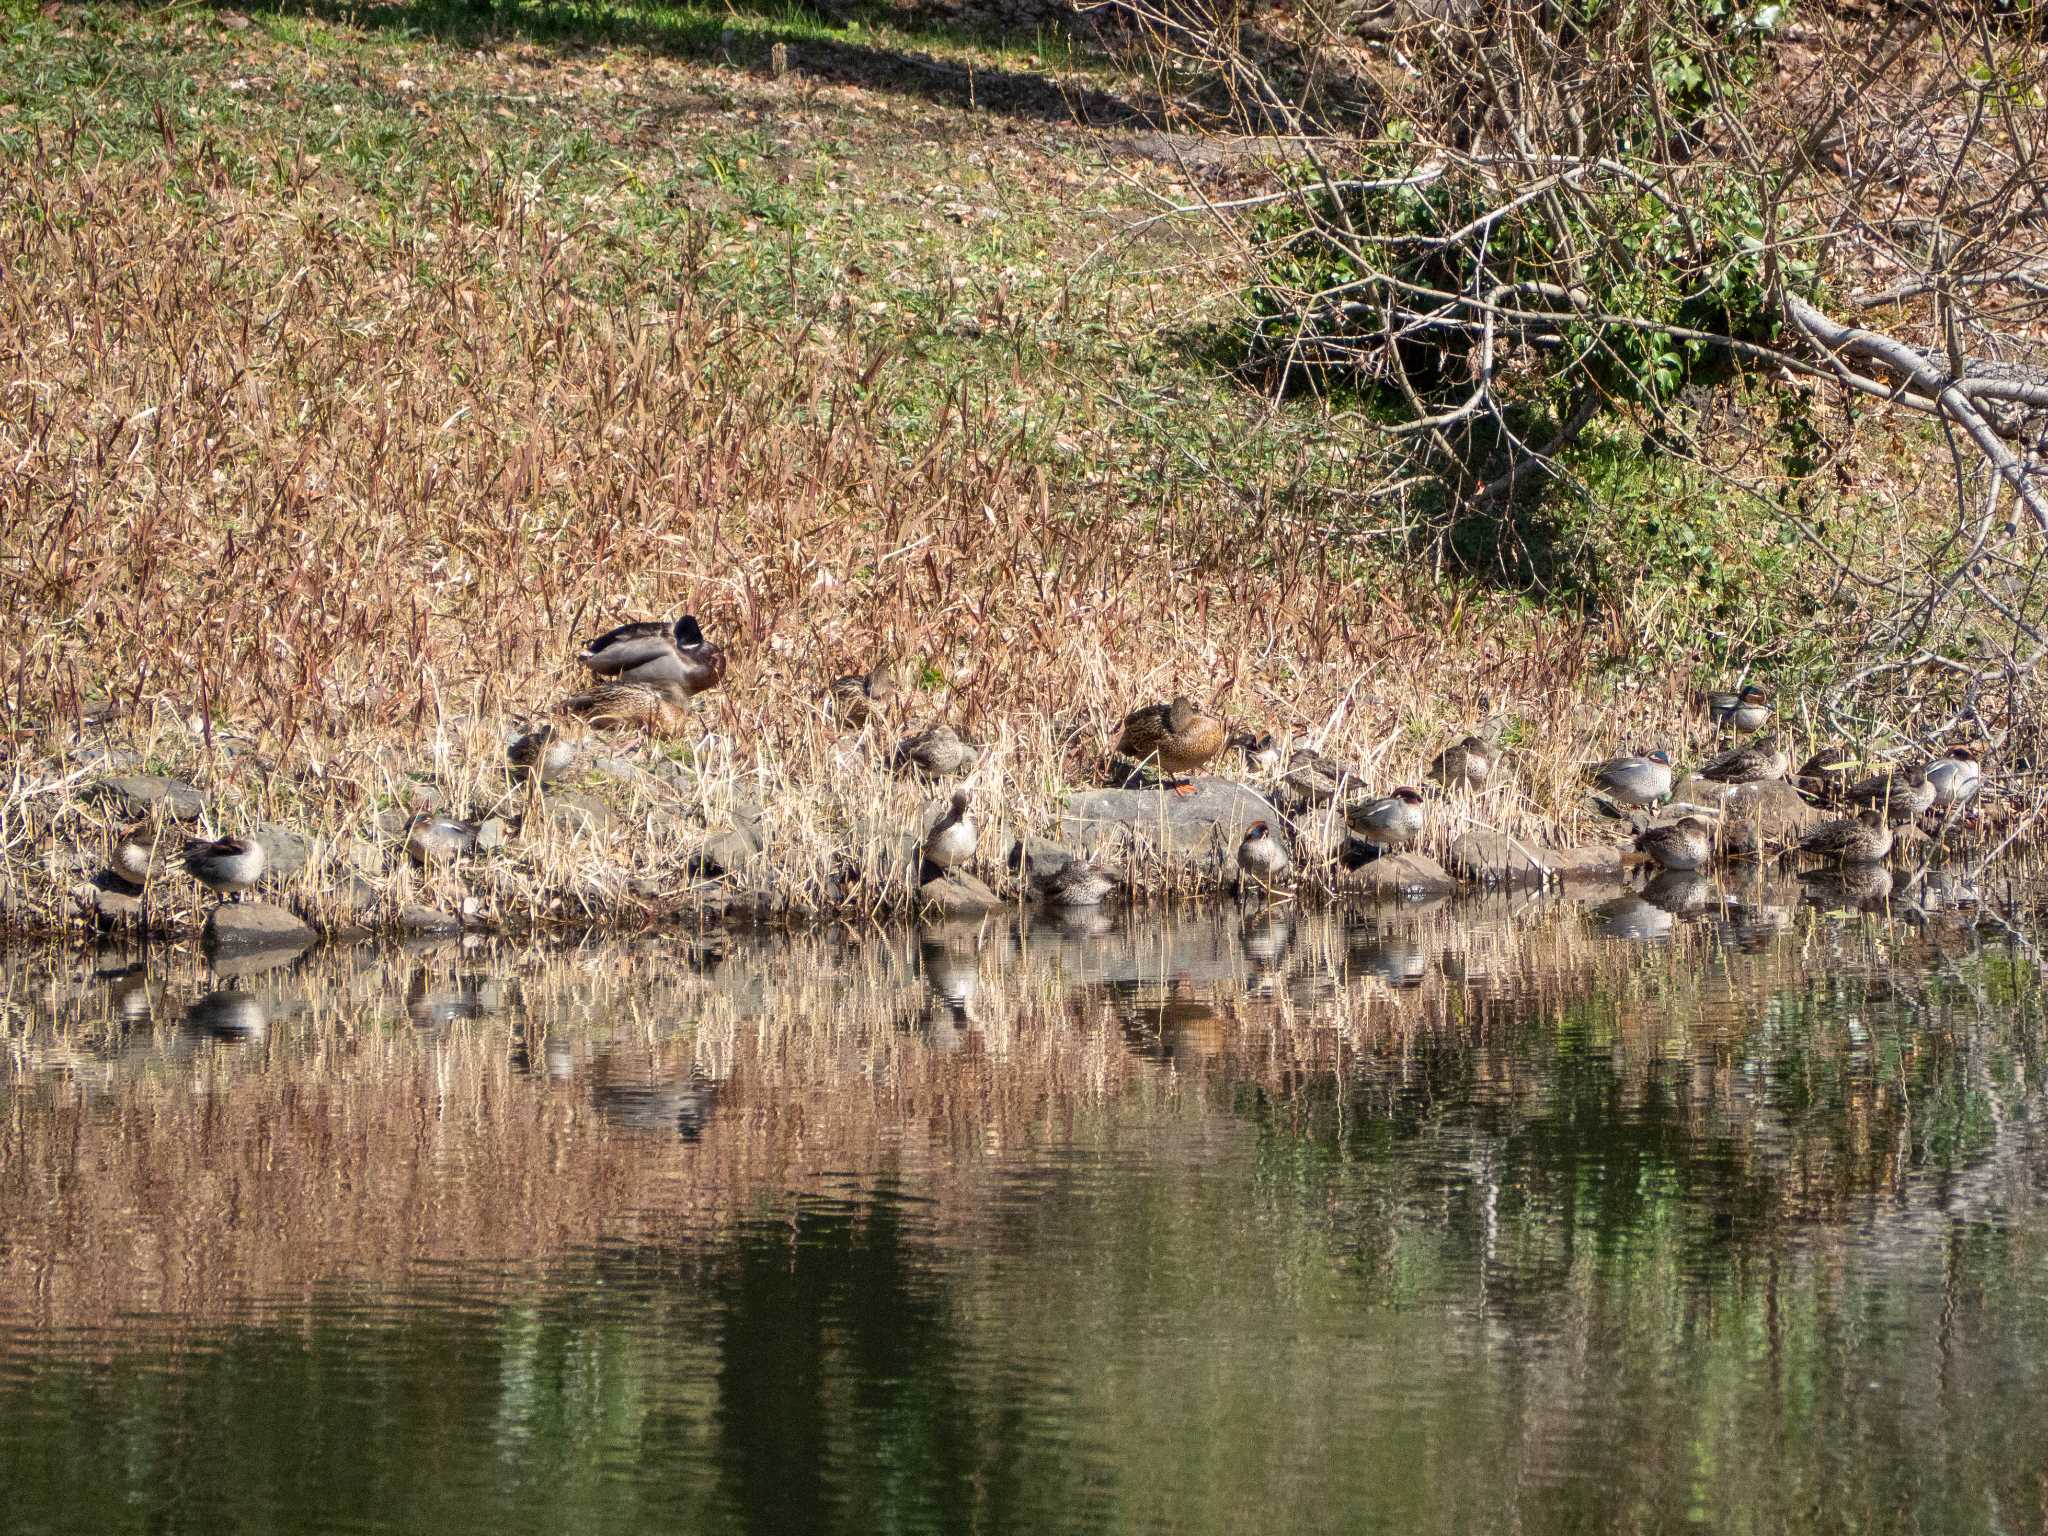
{"x": 657, "y": 653}
{"x": 1828, "y": 775}
{"x": 938, "y": 753}
{"x": 1262, "y": 856}
{"x": 541, "y": 754}
{"x": 1861, "y": 839}
{"x": 951, "y": 840}
{"x": 658, "y": 708}
{"x": 1901, "y": 796}
{"x": 227, "y": 866}
{"x": 1076, "y": 883}
{"x": 1641, "y": 779}
{"x": 1468, "y": 763}
{"x": 1956, "y": 777}
{"x": 1392, "y": 821}
{"x": 438, "y": 840}
{"x": 1261, "y": 753}
{"x": 1744, "y": 709}
{"x": 1754, "y": 762}
{"x": 1313, "y": 779}
{"x": 1686, "y": 844}
{"x": 1177, "y": 737}
{"x": 138, "y": 852}
{"x": 857, "y": 697}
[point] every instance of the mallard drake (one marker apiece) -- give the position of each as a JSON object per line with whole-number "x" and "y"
{"x": 1392, "y": 821}
{"x": 1956, "y": 778}
{"x": 138, "y": 852}
{"x": 1902, "y": 796}
{"x": 1076, "y": 883}
{"x": 1640, "y": 780}
{"x": 858, "y": 696}
{"x": 1828, "y": 775}
{"x": 1261, "y": 753}
{"x": 938, "y": 753}
{"x": 1684, "y": 844}
{"x": 1754, "y": 762}
{"x": 438, "y": 840}
{"x": 541, "y": 754}
{"x": 1861, "y": 839}
{"x": 951, "y": 840}
{"x": 1313, "y": 779}
{"x": 227, "y": 866}
{"x": 1262, "y": 856}
{"x": 1745, "y": 709}
{"x": 658, "y": 708}
{"x": 1177, "y": 737}
{"x": 657, "y": 653}
{"x": 1468, "y": 763}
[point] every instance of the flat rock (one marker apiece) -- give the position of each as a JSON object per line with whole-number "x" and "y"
{"x": 109, "y": 899}
{"x": 1398, "y": 874}
{"x": 139, "y": 794}
{"x": 1212, "y": 818}
{"x": 728, "y": 851}
{"x": 956, "y": 891}
{"x": 1590, "y": 861}
{"x": 1755, "y": 818}
{"x": 287, "y": 851}
{"x": 1494, "y": 858}
{"x": 575, "y": 811}
{"x": 415, "y": 921}
{"x": 255, "y": 925}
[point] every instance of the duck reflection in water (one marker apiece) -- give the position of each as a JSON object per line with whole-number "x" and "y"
{"x": 682, "y": 1107}
{"x": 1681, "y": 892}
{"x": 228, "y": 1015}
{"x": 1852, "y": 888}
{"x": 1631, "y": 917}
{"x": 1394, "y": 958}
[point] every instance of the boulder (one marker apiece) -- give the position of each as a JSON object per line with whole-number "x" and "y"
{"x": 574, "y": 811}
{"x": 1494, "y": 858}
{"x": 141, "y": 794}
{"x": 490, "y": 834}
{"x": 416, "y": 921}
{"x": 1398, "y": 874}
{"x": 287, "y": 851}
{"x": 1212, "y": 819}
{"x": 1755, "y": 818}
{"x": 726, "y": 852}
{"x": 956, "y": 892}
{"x": 244, "y": 925}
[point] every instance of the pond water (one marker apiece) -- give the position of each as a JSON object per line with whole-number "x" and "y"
{"x": 1726, "y": 1209}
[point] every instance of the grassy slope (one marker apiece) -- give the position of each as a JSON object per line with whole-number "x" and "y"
{"x": 374, "y": 354}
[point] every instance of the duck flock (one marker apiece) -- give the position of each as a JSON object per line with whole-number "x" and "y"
{"x": 646, "y": 673}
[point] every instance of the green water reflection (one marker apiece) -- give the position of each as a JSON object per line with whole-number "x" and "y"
{"x": 1728, "y": 1233}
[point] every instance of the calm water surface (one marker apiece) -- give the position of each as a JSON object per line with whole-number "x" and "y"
{"x": 1715, "y": 1209}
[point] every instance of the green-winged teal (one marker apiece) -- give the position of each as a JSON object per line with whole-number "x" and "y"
{"x": 950, "y": 842}
{"x": 1392, "y": 821}
{"x": 1861, "y": 839}
{"x": 227, "y": 866}
{"x": 1262, "y": 856}
{"x": 1684, "y": 844}
{"x": 1642, "y": 779}
{"x": 938, "y": 753}
{"x": 1754, "y": 762}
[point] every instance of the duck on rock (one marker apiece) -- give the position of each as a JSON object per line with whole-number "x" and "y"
{"x": 1177, "y": 738}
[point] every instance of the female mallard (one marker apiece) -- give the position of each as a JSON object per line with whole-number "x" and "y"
{"x": 1684, "y": 844}
{"x": 1901, "y": 796}
{"x": 658, "y": 708}
{"x": 1753, "y": 762}
{"x": 857, "y": 697}
{"x": 1956, "y": 778}
{"x": 1394, "y": 821}
{"x": 1076, "y": 883}
{"x": 950, "y": 842}
{"x": 1468, "y": 763}
{"x": 1177, "y": 737}
{"x": 1643, "y": 779}
{"x": 432, "y": 840}
{"x": 541, "y": 754}
{"x": 1860, "y": 839}
{"x": 1745, "y": 709}
{"x": 138, "y": 852}
{"x": 657, "y": 653}
{"x": 226, "y": 866}
{"x": 1262, "y": 856}
{"x": 938, "y": 753}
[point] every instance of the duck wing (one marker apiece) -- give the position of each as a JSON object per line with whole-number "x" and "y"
{"x": 628, "y": 646}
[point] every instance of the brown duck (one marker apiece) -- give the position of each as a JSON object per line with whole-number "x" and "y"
{"x": 658, "y": 708}
{"x": 1177, "y": 737}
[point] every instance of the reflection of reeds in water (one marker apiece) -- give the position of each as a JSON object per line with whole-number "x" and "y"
{"x": 182, "y": 1149}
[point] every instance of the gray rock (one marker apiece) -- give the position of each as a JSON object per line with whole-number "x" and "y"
{"x": 726, "y": 853}
{"x": 490, "y": 834}
{"x": 1398, "y": 874}
{"x": 255, "y": 925}
{"x": 416, "y": 921}
{"x": 139, "y": 794}
{"x": 1755, "y": 818}
{"x": 1213, "y": 818}
{"x": 287, "y": 850}
{"x": 109, "y": 900}
{"x": 957, "y": 892}
{"x": 1592, "y": 861}
{"x": 575, "y": 811}
{"x": 1494, "y": 858}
